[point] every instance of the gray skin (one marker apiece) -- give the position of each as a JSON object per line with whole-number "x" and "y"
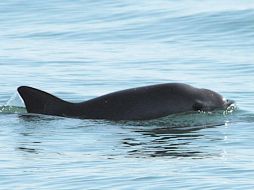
{"x": 142, "y": 103}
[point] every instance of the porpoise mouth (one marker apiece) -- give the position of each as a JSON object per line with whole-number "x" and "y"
{"x": 229, "y": 103}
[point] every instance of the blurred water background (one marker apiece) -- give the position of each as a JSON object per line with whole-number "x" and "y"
{"x": 81, "y": 49}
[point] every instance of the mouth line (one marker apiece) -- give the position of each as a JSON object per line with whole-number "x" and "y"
{"x": 229, "y": 102}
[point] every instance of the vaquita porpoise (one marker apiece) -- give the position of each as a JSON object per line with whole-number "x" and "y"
{"x": 142, "y": 103}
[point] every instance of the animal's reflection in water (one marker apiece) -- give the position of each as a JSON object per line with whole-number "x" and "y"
{"x": 180, "y": 136}
{"x": 176, "y": 136}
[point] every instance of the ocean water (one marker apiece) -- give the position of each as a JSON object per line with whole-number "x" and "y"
{"x": 81, "y": 49}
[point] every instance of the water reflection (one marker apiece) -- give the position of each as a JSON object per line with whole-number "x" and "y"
{"x": 33, "y": 130}
{"x": 175, "y": 136}
{"x": 180, "y": 136}
{"x": 28, "y": 150}
{"x": 37, "y": 118}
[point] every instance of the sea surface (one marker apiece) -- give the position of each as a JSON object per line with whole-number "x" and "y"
{"x": 81, "y": 49}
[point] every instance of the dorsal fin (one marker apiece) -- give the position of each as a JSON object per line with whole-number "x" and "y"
{"x": 37, "y": 101}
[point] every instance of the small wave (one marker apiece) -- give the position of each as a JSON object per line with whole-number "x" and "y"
{"x": 12, "y": 109}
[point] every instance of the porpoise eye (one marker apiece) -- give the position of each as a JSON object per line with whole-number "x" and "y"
{"x": 198, "y": 106}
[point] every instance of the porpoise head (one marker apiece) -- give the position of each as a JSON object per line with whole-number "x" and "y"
{"x": 209, "y": 100}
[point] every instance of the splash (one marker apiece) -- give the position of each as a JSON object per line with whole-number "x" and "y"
{"x": 230, "y": 109}
{"x": 14, "y": 105}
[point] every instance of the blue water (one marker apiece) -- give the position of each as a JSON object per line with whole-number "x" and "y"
{"x": 78, "y": 50}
